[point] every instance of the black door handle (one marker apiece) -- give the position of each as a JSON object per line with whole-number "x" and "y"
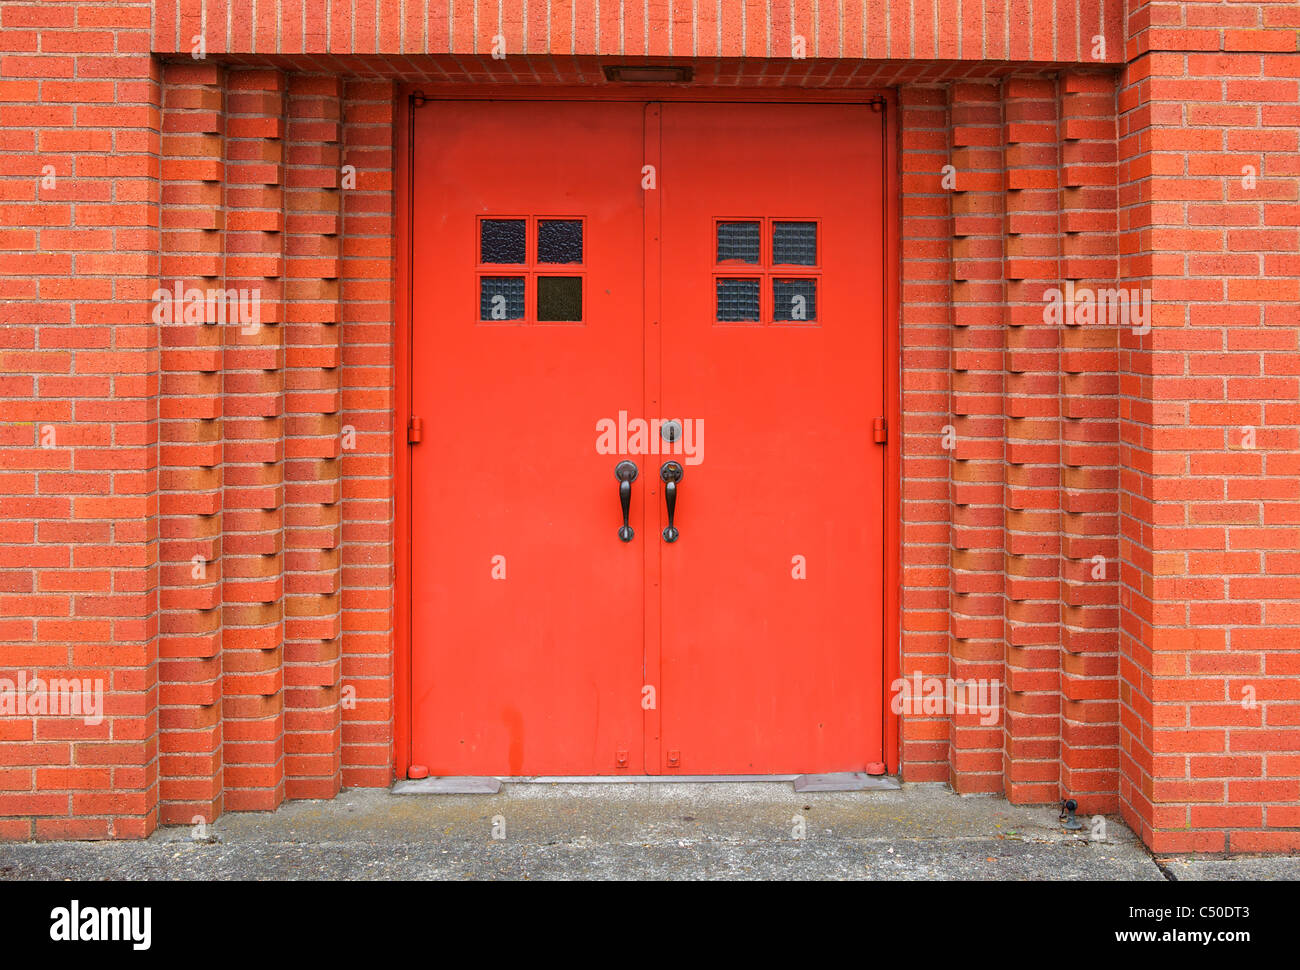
{"x": 625, "y": 472}
{"x": 671, "y": 473}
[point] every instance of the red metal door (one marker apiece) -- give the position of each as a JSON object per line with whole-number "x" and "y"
{"x": 526, "y": 609}
{"x": 729, "y": 275}
{"x": 773, "y": 341}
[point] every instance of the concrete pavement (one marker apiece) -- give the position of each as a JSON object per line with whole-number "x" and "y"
{"x": 750, "y": 830}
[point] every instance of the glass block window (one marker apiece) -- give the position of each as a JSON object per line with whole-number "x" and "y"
{"x": 737, "y": 300}
{"x": 559, "y": 298}
{"x": 771, "y": 246}
{"x": 503, "y": 241}
{"x": 794, "y": 243}
{"x": 559, "y": 241}
{"x": 534, "y": 247}
{"x": 738, "y": 242}
{"x": 501, "y": 298}
{"x": 794, "y": 301}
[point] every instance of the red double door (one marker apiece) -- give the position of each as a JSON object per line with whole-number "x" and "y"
{"x": 696, "y": 289}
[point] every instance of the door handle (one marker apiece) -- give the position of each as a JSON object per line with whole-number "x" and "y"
{"x": 671, "y": 473}
{"x": 625, "y": 472}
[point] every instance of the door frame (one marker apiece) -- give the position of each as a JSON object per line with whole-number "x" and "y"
{"x": 403, "y": 253}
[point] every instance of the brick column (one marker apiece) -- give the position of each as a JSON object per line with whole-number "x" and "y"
{"x": 193, "y": 224}
{"x": 975, "y": 623}
{"x": 366, "y": 292}
{"x": 927, "y": 410}
{"x": 1089, "y": 451}
{"x": 254, "y": 418}
{"x": 1031, "y": 403}
{"x": 313, "y": 467}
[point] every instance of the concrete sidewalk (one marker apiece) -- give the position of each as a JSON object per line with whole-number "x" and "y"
{"x": 635, "y": 831}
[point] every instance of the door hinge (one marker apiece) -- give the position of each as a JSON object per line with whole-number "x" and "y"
{"x": 418, "y": 100}
{"x": 415, "y": 430}
{"x": 880, "y": 431}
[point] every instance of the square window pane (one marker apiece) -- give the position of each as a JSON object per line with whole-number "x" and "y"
{"x": 738, "y": 242}
{"x": 794, "y": 243}
{"x": 501, "y": 298}
{"x": 559, "y": 298}
{"x": 559, "y": 241}
{"x": 737, "y": 300}
{"x": 794, "y": 300}
{"x": 502, "y": 240}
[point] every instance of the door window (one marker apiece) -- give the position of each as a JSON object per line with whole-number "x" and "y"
{"x": 791, "y": 245}
{"x": 537, "y": 245}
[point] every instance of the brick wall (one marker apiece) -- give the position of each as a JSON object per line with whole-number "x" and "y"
{"x": 916, "y": 30}
{"x": 79, "y": 525}
{"x": 210, "y": 531}
{"x": 209, "y": 528}
{"x": 1210, "y": 428}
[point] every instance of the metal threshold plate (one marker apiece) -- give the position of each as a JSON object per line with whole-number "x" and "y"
{"x": 847, "y": 781}
{"x": 447, "y": 786}
{"x": 639, "y": 779}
